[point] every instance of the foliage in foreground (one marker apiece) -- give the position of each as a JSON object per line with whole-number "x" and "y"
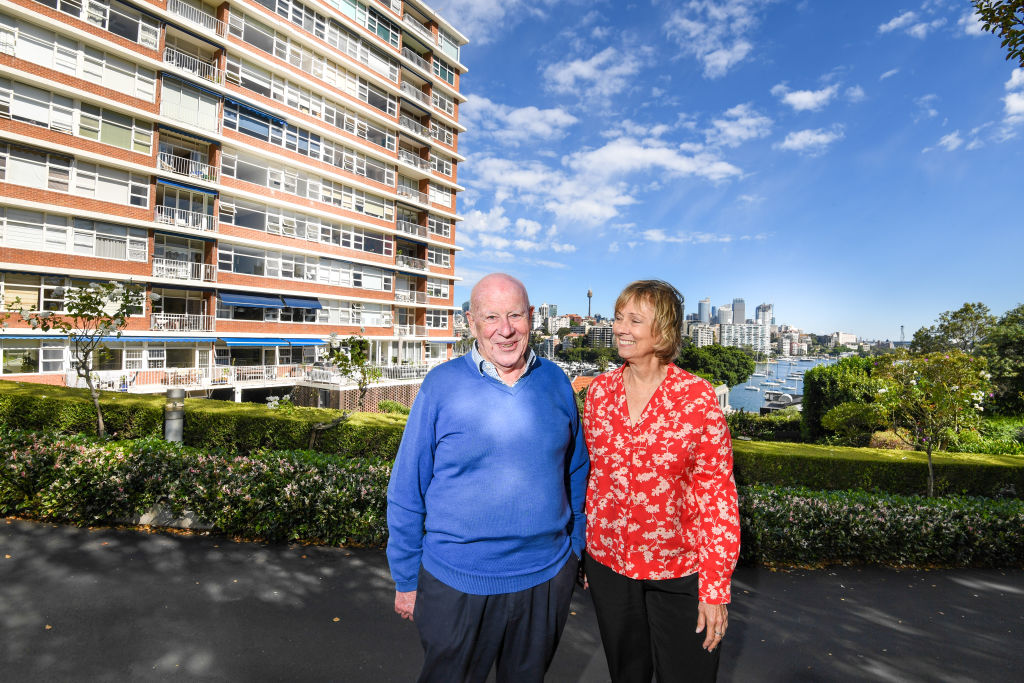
{"x": 305, "y": 496}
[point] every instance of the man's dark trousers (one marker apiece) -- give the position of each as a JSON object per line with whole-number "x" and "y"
{"x": 463, "y": 635}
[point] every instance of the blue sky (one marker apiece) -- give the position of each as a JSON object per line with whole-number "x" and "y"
{"x": 858, "y": 164}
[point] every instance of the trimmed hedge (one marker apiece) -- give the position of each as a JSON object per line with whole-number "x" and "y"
{"x": 241, "y": 427}
{"x": 868, "y": 469}
{"x": 305, "y": 496}
{"x": 777, "y": 426}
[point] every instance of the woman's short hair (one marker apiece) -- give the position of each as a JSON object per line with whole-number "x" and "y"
{"x": 667, "y": 303}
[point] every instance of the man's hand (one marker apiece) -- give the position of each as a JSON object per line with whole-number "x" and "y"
{"x": 716, "y": 619}
{"x": 404, "y": 604}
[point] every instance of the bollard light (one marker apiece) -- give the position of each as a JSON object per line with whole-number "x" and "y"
{"x": 174, "y": 415}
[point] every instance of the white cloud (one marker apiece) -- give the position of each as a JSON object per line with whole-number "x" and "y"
{"x": 715, "y": 33}
{"x": 737, "y": 125}
{"x": 902, "y": 21}
{"x": 855, "y": 93}
{"x": 514, "y": 126}
{"x": 949, "y": 142}
{"x": 527, "y": 227}
{"x": 627, "y": 155}
{"x": 926, "y": 107}
{"x": 1013, "y": 106}
{"x": 805, "y": 100}
{"x": 660, "y": 236}
{"x": 970, "y": 22}
{"x": 1016, "y": 81}
{"x": 605, "y": 74}
{"x": 810, "y": 142}
{"x": 483, "y": 21}
{"x": 921, "y": 30}
{"x": 889, "y": 74}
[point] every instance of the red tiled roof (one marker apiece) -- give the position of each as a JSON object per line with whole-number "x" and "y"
{"x": 581, "y": 381}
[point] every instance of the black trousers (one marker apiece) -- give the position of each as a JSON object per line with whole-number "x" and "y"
{"x": 464, "y": 635}
{"x": 648, "y": 626}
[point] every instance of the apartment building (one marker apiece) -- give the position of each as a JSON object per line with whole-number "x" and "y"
{"x": 271, "y": 173}
{"x": 757, "y": 337}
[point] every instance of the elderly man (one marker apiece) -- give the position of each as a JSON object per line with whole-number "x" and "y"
{"x": 485, "y": 505}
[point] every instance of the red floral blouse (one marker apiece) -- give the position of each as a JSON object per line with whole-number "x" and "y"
{"x": 661, "y": 499}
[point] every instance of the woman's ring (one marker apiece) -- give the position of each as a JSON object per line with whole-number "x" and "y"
{"x": 719, "y": 633}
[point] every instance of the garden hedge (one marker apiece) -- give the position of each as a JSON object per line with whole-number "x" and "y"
{"x": 306, "y": 496}
{"x": 870, "y": 469}
{"x": 241, "y": 427}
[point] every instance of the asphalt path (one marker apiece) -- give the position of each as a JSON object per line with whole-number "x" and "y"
{"x": 131, "y": 605}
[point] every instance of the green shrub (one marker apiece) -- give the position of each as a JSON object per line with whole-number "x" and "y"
{"x": 47, "y": 408}
{"x": 393, "y": 407}
{"x": 803, "y": 527}
{"x": 854, "y": 422}
{"x": 889, "y": 440}
{"x": 995, "y": 435}
{"x": 782, "y": 425}
{"x": 827, "y": 386}
{"x": 895, "y": 472}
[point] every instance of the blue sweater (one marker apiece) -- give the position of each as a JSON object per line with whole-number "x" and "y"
{"x": 488, "y": 487}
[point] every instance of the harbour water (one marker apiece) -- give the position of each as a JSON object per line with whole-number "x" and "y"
{"x": 785, "y": 375}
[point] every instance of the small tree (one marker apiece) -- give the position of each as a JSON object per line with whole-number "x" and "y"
{"x": 91, "y": 312}
{"x": 926, "y": 395}
{"x": 352, "y": 359}
{"x": 1004, "y": 19}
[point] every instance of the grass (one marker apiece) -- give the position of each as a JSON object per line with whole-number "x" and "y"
{"x": 782, "y": 448}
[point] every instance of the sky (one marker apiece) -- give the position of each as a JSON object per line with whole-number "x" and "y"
{"x": 856, "y": 164}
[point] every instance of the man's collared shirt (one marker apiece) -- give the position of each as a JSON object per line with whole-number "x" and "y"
{"x": 486, "y": 367}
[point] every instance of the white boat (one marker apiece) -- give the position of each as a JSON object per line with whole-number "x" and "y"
{"x": 750, "y": 388}
{"x": 759, "y": 374}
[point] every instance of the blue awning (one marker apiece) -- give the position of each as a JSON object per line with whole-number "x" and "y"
{"x": 301, "y": 302}
{"x": 306, "y": 342}
{"x": 51, "y": 337}
{"x": 259, "y": 112}
{"x": 250, "y": 300}
{"x": 253, "y": 341}
{"x": 193, "y": 188}
{"x": 158, "y": 339}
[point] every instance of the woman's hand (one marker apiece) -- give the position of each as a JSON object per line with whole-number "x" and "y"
{"x": 716, "y": 619}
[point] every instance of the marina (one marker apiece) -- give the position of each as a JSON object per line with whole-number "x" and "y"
{"x": 772, "y": 379}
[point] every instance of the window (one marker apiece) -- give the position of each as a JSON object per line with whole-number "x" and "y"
{"x": 440, "y": 194}
{"x": 442, "y": 133}
{"x": 437, "y": 289}
{"x": 440, "y": 164}
{"x": 52, "y": 357}
{"x": 437, "y": 225}
{"x": 106, "y": 240}
{"x": 189, "y": 106}
{"x": 443, "y": 71}
{"x": 437, "y": 319}
{"x": 448, "y": 44}
{"x": 20, "y": 357}
{"x": 438, "y": 257}
{"x": 443, "y": 103}
{"x": 115, "y": 129}
{"x": 157, "y": 357}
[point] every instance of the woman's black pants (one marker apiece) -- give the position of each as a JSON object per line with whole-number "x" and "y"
{"x": 648, "y": 627}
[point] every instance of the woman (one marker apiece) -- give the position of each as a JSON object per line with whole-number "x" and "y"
{"x": 662, "y": 520}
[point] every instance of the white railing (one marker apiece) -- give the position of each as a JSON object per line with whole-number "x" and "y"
{"x": 407, "y": 157}
{"x": 416, "y": 195}
{"x": 394, "y": 5}
{"x": 390, "y": 372}
{"x": 413, "y": 125}
{"x": 192, "y": 64}
{"x": 141, "y": 381}
{"x": 185, "y": 219}
{"x": 405, "y": 296}
{"x": 415, "y": 93}
{"x": 420, "y": 29}
{"x": 410, "y": 262}
{"x": 187, "y": 167}
{"x": 184, "y": 270}
{"x": 181, "y": 322}
{"x": 197, "y": 16}
{"x": 416, "y": 59}
{"x": 411, "y": 228}
{"x": 410, "y": 330}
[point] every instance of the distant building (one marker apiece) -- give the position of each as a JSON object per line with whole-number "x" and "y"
{"x": 764, "y": 314}
{"x": 547, "y": 346}
{"x": 543, "y": 311}
{"x": 755, "y": 336}
{"x": 552, "y": 309}
{"x": 600, "y": 337}
{"x": 725, "y": 315}
{"x": 843, "y": 339}
{"x": 554, "y": 324}
{"x": 704, "y": 311}
{"x": 739, "y": 311}
{"x": 703, "y": 335}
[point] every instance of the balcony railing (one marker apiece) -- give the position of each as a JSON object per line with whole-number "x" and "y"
{"x": 421, "y": 30}
{"x": 410, "y": 262}
{"x": 197, "y": 17}
{"x": 394, "y": 5}
{"x": 181, "y": 322}
{"x": 411, "y": 228}
{"x": 141, "y": 381}
{"x": 413, "y": 125}
{"x": 411, "y": 330}
{"x": 407, "y": 157}
{"x": 184, "y": 166}
{"x": 184, "y": 270}
{"x": 416, "y": 59}
{"x": 405, "y": 296}
{"x": 192, "y": 65}
{"x": 415, "y": 195}
{"x": 412, "y": 92}
{"x": 194, "y": 220}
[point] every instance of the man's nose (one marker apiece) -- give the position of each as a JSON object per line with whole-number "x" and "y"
{"x": 505, "y": 328}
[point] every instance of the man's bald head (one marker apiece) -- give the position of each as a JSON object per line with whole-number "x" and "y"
{"x": 495, "y": 283}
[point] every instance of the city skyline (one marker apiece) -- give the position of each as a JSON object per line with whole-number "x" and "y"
{"x": 852, "y": 164}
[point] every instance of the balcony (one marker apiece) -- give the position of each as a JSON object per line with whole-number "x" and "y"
{"x": 181, "y": 322}
{"x": 410, "y": 330}
{"x": 192, "y": 65}
{"x": 394, "y": 5}
{"x": 419, "y": 29}
{"x": 412, "y": 194}
{"x": 181, "y": 218}
{"x": 184, "y": 270}
{"x": 410, "y": 159}
{"x": 416, "y": 59}
{"x": 414, "y": 93}
{"x": 413, "y": 126}
{"x": 404, "y": 261}
{"x": 184, "y": 166}
{"x": 413, "y": 229}
{"x": 151, "y": 381}
{"x": 197, "y": 17}
{"x": 410, "y": 297}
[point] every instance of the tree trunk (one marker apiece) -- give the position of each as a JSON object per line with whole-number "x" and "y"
{"x": 931, "y": 473}
{"x": 101, "y": 430}
{"x": 317, "y": 427}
